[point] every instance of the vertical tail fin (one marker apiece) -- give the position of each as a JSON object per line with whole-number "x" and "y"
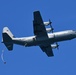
{"x": 7, "y": 38}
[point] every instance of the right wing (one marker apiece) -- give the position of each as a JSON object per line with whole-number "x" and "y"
{"x": 39, "y": 28}
{"x": 48, "y": 50}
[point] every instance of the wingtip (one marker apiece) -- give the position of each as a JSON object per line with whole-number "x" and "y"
{"x": 36, "y": 11}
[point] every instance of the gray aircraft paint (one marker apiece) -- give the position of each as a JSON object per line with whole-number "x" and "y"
{"x": 52, "y": 38}
{"x": 41, "y": 38}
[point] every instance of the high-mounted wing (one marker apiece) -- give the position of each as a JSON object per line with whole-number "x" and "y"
{"x": 40, "y": 31}
{"x": 39, "y": 28}
{"x": 48, "y": 50}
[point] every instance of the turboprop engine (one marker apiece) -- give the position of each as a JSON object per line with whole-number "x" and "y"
{"x": 54, "y": 46}
{"x": 47, "y": 23}
{"x": 49, "y": 29}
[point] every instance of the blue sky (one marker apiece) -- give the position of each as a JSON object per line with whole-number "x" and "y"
{"x": 18, "y": 16}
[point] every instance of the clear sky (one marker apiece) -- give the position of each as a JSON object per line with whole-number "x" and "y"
{"x": 18, "y": 16}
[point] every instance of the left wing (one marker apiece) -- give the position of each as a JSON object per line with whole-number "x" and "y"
{"x": 39, "y": 28}
{"x": 47, "y": 49}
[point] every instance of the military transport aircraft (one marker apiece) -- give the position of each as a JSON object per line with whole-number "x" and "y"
{"x": 42, "y": 38}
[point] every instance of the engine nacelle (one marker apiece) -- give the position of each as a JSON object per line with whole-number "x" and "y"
{"x": 49, "y": 29}
{"x": 54, "y": 46}
{"x": 46, "y": 23}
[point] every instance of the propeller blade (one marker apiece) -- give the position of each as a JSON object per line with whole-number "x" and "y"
{"x": 51, "y": 25}
{"x": 57, "y": 45}
{"x": 50, "y": 21}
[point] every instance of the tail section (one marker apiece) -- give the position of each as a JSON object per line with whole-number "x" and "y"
{"x": 7, "y": 38}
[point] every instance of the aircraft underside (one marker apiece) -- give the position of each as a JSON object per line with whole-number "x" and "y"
{"x": 41, "y": 38}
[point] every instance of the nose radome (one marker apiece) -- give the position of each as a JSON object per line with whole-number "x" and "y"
{"x": 75, "y": 33}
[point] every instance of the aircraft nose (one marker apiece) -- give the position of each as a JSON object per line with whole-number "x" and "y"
{"x": 75, "y": 33}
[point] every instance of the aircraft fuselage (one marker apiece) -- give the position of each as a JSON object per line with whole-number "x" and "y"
{"x": 52, "y": 38}
{"x": 44, "y": 37}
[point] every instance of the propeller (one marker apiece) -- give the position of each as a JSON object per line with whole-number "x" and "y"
{"x": 57, "y": 45}
{"x": 52, "y": 32}
{"x": 51, "y": 25}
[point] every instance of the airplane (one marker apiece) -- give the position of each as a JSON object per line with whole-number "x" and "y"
{"x": 43, "y": 37}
